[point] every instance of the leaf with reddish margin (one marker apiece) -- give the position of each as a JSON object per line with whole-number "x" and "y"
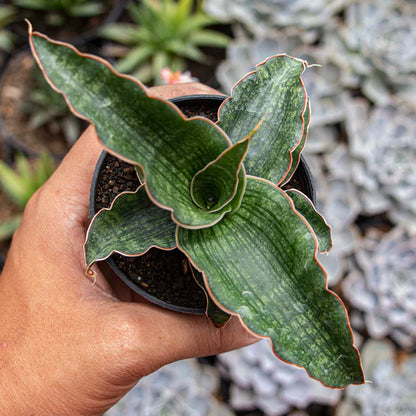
{"x": 149, "y": 132}
{"x": 260, "y": 263}
{"x": 274, "y": 93}
{"x": 130, "y": 227}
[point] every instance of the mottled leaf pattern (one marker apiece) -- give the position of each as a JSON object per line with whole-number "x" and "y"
{"x": 252, "y": 267}
{"x": 275, "y": 94}
{"x": 131, "y": 227}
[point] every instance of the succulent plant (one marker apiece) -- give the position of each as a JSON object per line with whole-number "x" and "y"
{"x": 381, "y": 142}
{"x": 184, "y": 388}
{"x": 163, "y": 34}
{"x": 259, "y": 381}
{"x": 262, "y": 16}
{"x": 254, "y": 243}
{"x": 383, "y": 288}
{"x": 374, "y": 48}
{"x": 392, "y": 388}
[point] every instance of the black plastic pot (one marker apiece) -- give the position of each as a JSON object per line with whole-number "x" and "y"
{"x": 302, "y": 177}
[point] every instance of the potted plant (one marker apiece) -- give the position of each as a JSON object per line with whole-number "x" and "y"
{"x": 213, "y": 190}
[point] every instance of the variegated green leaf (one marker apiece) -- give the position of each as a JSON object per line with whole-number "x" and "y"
{"x": 148, "y": 132}
{"x": 251, "y": 260}
{"x": 318, "y": 224}
{"x": 131, "y": 227}
{"x": 276, "y": 93}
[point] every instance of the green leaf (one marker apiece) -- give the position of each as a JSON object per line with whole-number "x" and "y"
{"x": 283, "y": 126}
{"x": 148, "y": 132}
{"x": 131, "y": 227}
{"x": 216, "y": 185}
{"x": 260, "y": 263}
{"x": 318, "y": 224}
{"x": 298, "y": 150}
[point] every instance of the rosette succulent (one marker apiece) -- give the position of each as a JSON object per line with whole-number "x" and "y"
{"x": 263, "y": 15}
{"x": 183, "y": 388}
{"x": 375, "y": 49}
{"x": 213, "y": 190}
{"x": 385, "y": 289}
{"x": 392, "y": 388}
{"x": 260, "y": 381}
{"x": 381, "y": 142}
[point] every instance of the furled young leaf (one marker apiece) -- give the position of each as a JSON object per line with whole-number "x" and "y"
{"x": 132, "y": 226}
{"x": 252, "y": 268}
{"x": 216, "y": 185}
{"x": 298, "y": 150}
{"x": 147, "y": 132}
{"x": 318, "y": 224}
{"x": 274, "y": 92}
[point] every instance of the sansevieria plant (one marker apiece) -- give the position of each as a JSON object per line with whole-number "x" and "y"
{"x": 213, "y": 190}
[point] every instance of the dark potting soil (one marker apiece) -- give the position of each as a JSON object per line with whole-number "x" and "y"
{"x": 163, "y": 274}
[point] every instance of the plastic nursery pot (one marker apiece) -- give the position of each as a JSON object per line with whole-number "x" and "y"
{"x": 160, "y": 276}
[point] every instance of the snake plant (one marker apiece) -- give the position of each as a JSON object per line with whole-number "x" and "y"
{"x": 214, "y": 190}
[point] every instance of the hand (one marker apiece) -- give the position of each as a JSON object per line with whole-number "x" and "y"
{"x": 69, "y": 346}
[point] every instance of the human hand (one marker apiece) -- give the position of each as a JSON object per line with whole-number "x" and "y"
{"x": 70, "y": 346}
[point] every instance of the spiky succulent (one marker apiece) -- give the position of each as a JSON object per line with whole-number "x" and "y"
{"x": 384, "y": 286}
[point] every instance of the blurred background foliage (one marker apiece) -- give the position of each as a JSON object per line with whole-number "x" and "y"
{"x": 361, "y": 150}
